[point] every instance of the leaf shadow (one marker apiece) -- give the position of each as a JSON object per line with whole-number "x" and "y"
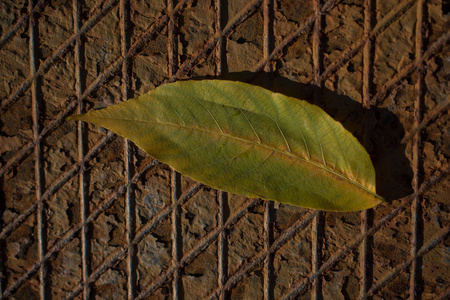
{"x": 377, "y": 129}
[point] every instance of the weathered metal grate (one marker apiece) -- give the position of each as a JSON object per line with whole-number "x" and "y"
{"x": 257, "y": 274}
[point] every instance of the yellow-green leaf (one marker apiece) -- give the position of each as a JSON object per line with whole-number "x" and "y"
{"x": 250, "y": 141}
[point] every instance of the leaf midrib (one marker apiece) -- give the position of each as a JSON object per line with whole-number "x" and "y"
{"x": 250, "y": 142}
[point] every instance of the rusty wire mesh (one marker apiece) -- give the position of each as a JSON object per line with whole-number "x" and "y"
{"x": 86, "y": 214}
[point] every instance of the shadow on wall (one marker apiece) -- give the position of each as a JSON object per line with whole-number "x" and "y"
{"x": 377, "y": 129}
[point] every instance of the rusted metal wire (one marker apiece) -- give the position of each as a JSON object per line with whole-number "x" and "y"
{"x": 130, "y": 198}
{"x": 82, "y": 150}
{"x": 299, "y": 287}
{"x": 38, "y": 150}
{"x": 259, "y": 258}
{"x": 225, "y": 281}
{"x": 223, "y": 246}
{"x": 36, "y": 8}
{"x": 223, "y": 214}
{"x": 60, "y": 52}
{"x": 69, "y": 236}
{"x": 303, "y": 29}
{"x": 416, "y": 206}
{"x": 432, "y": 50}
{"x": 354, "y": 49}
{"x": 431, "y": 115}
{"x": 366, "y": 260}
{"x": 269, "y": 212}
{"x": 317, "y": 230}
{"x": 406, "y": 263}
{"x": 121, "y": 252}
{"x": 153, "y": 29}
{"x": 177, "y": 243}
{"x": 28, "y": 148}
{"x": 199, "y": 248}
{"x": 210, "y": 44}
{"x": 55, "y": 186}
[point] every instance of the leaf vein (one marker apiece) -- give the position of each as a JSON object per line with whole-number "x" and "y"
{"x": 332, "y": 129}
{"x": 227, "y": 167}
{"x": 253, "y": 169}
{"x": 251, "y": 125}
{"x": 324, "y": 167}
{"x": 282, "y": 133}
{"x": 210, "y": 113}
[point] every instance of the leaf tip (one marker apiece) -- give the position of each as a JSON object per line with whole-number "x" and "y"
{"x": 382, "y": 199}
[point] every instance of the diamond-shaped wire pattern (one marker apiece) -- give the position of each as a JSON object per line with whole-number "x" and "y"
{"x": 87, "y": 214}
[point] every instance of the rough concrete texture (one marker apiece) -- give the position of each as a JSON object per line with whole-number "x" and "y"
{"x": 108, "y": 256}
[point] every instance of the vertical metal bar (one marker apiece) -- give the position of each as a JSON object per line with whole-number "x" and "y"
{"x": 317, "y": 45}
{"x": 268, "y": 205}
{"x": 177, "y": 284}
{"x": 176, "y": 236}
{"x": 268, "y": 240}
{"x": 130, "y": 201}
{"x": 223, "y": 245}
{"x": 366, "y": 261}
{"x": 23, "y": 19}
{"x": 368, "y": 59}
{"x": 3, "y": 278}
{"x": 268, "y": 38}
{"x": 82, "y": 150}
{"x": 39, "y": 164}
{"x": 416, "y": 209}
{"x": 220, "y": 63}
{"x": 171, "y": 43}
{"x": 317, "y": 245}
{"x": 319, "y": 221}
{"x": 222, "y": 249}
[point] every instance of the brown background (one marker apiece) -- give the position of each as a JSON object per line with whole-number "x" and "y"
{"x": 86, "y": 215}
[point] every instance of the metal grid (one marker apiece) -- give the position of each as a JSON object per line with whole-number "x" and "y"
{"x": 173, "y": 273}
